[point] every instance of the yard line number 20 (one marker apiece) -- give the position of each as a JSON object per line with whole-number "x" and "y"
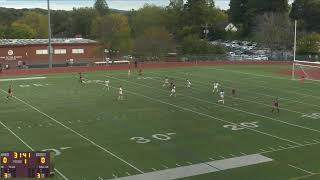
{"x": 241, "y": 126}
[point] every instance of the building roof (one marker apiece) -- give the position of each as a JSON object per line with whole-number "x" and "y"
{"x": 4, "y": 42}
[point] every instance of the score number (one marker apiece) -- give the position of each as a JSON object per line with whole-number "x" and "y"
{"x": 158, "y": 137}
{"x": 241, "y": 126}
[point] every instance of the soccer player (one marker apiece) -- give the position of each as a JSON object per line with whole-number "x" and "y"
{"x": 173, "y": 91}
{"x": 215, "y": 87}
{"x": 171, "y": 84}
{"x": 140, "y": 72}
{"x": 166, "y": 82}
{"x": 275, "y": 105}
{"x": 302, "y": 79}
{"x": 233, "y": 92}
{"x": 129, "y": 72}
{"x": 188, "y": 83}
{"x": 120, "y": 97}
{"x": 221, "y": 97}
{"x": 9, "y": 91}
{"x": 80, "y": 77}
{"x": 106, "y": 85}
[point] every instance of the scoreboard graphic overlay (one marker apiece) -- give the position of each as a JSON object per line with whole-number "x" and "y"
{"x": 27, "y": 164}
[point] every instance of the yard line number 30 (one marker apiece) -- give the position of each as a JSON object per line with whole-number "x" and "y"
{"x": 155, "y": 137}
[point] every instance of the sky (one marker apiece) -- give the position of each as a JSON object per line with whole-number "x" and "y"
{"x": 114, "y": 4}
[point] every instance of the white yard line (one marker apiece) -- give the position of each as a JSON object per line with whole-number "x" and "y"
{"x": 235, "y": 109}
{"x": 80, "y": 135}
{"x": 291, "y": 147}
{"x": 22, "y": 79}
{"x": 295, "y": 167}
{"x": 26, "y": 144}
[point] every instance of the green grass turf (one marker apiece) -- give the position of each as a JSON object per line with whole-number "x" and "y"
{"x": 98, "y": 128}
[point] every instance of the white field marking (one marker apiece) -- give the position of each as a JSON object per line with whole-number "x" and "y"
{"x": 22, "y": 79}
{"x": 222, "y": 157}
{"x": 189, "y": 162}
{"x": 201, "y": 168}
{"x": 165, "y": 166}
{"x": 206, "y": 115}
{"x": 295, "y": 167}
{"x": 80, "y": 135}
{"x": 70, "y": 122}
{"x": 282, "y": 147}
{"x": 100, "y": 178}
{"x": 254, "y": 92}
{"x": 210, "y": 159}
{"x": 21, "y": 140}
{"x": 64, "y": 148}
{"x": 262, "y": 150}
{"x": 252, "y": 101}
{"x": 128, "y": 173}
{"x": 293, "y": 92}
{"x": 178, "y": 165}
{"x": 19, "y": 127}
{"x": 221, "y": 105}
{"x": 232, "y": 155}
{"x": 303, "y": 177}
{"x": 315, "y": 140}
{"x": 29, "y": 126}
{"x": 243, "y": 153}
{"x": 154, "y": 169}
{"x": 274, "y": 148}
{"x": 292, "y": 147}
{"x": 114, "y": 176}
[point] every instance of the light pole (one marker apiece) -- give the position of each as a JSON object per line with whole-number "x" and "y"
{"x": 294, "y": 49}
{"x": 50, "y": 50}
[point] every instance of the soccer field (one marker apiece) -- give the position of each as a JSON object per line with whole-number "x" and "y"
{"x": 150, "y": 135}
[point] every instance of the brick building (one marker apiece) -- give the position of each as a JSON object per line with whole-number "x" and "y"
{"x": 34, "y": 52}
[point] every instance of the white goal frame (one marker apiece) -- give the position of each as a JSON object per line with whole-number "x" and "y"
{"x": 302, "y": 64}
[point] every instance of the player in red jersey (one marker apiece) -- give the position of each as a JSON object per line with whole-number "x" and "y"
{"x": 80, "y": 77}
{"x": 275, "y": 105}
{"x": 9, "y": 91}
{"x": 302, "y": 79}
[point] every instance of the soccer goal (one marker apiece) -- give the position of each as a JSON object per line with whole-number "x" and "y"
{"x": 307, "y": 70}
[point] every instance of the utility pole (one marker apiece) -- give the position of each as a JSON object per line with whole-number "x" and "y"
{"x": 50, "y": 49}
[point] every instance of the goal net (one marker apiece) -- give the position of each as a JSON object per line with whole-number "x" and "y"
{"x": 307, "y": 70}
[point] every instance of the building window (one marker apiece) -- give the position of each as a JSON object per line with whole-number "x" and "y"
{"x": 60, "y": 51}
{"x": 42, "y": 51}
{"x": 77, "y": 51}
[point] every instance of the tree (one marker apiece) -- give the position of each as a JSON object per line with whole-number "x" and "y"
{"x": 174, "y": 16}
{"x": 20, "y": 31}
{"x": 309, "y": 44}
{"x": 156, "y": 41}
{"x": 297, "y": 10}
{"x": 147, "y": 17}
{"x": 237, "y": 11}
{"x": 274, "y": 30}
{"x": 101, "y": 6}
{"x": 193, "y": 45}
{"x": 37, "y": 22}
{"x": 312, "y": 15}
{"x": 113, "y": 32}
{"x": 81, "y": 21}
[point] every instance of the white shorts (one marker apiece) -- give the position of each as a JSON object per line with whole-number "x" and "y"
{"x": 173, "y": 91}
{"x": 222, "y": 97}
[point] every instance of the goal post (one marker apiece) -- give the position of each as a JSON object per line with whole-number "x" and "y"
{"x": 306, "y": 70}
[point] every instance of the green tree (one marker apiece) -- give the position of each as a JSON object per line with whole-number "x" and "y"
{"x": 155, "y": 41}
{"x": 113, "y": 32}
{"x": 312, "y": 15}
{"x": 20, "y": 31}
{"x": 238, "y": 11}
{"x": 147, "y": 17}
{"x": 82, "y": 19}
{"x": 36, "y": 21}
{"x": 101, "y": 6}
{"x": 60, "y": 24}
{"x": 297, "y": 10}
{"x": 193, "y": 45}
{"x": 309, "y": 44}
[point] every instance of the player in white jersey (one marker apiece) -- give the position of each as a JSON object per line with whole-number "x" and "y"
{"x": 173, "y": 91}
{"x": 188, "y": 83}
{"x": 221, "y": 97}
{"x": 129, "y": 72}
{"x": 166, "y": 82}
{"x": 120, "y": 97}
{"x": 215, "y": 87}
{"x": 106, "y": 85}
